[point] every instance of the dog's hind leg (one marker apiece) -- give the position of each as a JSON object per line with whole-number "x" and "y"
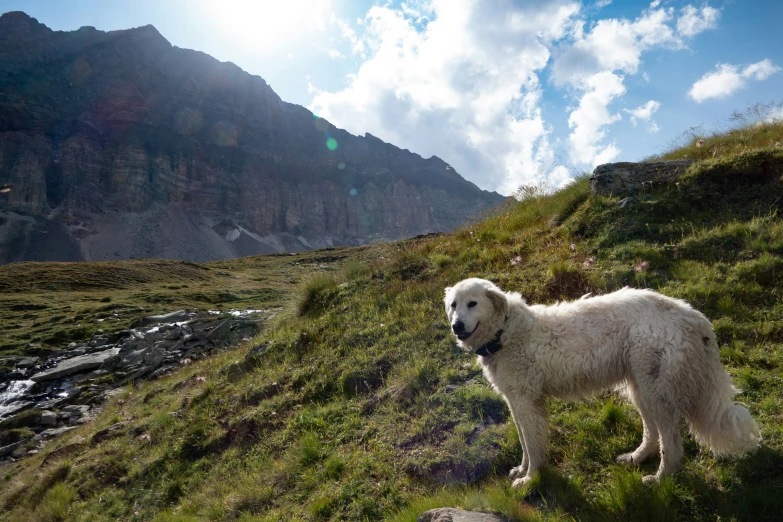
{"x": 667, "y": 418}
{"x": 649, "y": 445}
{"x": 531, "y": 415}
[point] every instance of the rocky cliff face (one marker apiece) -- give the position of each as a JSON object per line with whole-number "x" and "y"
{"x": 118, "y": 145}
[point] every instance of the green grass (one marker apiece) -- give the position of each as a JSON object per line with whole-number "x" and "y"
{"x": 362, "y": 408}
{"x": 44, "y": 306}
{"x": 56, "y": 502}
{"x": 750, "y": 130}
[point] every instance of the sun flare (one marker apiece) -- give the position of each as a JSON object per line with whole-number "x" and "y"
{"x": 269, "y": 26}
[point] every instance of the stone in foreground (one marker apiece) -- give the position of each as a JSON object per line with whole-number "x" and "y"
{"x": 457, "y": 515}
{"x": 73, "y": 365}
{"x": 624, "y": 179}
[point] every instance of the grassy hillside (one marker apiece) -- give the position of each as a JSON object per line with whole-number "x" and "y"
{"x": 48, "y": 305}
{"x": 357, "y": 405}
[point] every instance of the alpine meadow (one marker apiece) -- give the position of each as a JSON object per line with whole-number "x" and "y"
{"x": 353, "y": 401}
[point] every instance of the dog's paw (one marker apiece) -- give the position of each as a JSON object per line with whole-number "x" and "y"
{"x": 519, "y": 471}
{"x": 625, "y": 459}
{"x": 521, "y": 482}
{"x": 649, "y": 480}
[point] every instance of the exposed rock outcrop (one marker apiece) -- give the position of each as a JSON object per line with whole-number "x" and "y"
{"x": 118, "y": 145}
{"x": 457, "y": 515}
{"x": 75, "y": 365}
{"x": 625, "y": 179}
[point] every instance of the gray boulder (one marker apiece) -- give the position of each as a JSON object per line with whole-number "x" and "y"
{"x": 48, "y": 418}
{"x": 5, "y": 450}
{"x": 154, "y": 357}
{"x": 171, "y": 317}
{"x": 53, "y": 432}
{"x": 27, "y": 362}
{"x": 624, "y": 179}
{"x": 457, "y": 515}
{"x": 75, "y": 365}
{"x": 135, "y": 356}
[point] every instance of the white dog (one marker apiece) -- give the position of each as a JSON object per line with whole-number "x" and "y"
{"x": 662, "y": 351}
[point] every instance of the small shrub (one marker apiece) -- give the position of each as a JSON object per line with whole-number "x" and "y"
{"x": 321, "y": 507}
{"x": 333, "y": 467}
{"x": 106, "y": 299}
{"x": 314, "y": 294}
{"x": 726, "y": 306}
{"x": 734, "y": 354}
{"x": 418, "y": 377}
{"x": 441, "y": 260}
{"x": 627, "y": 498}
{"x": 15, "y": 435}
{"x": 748, "y": 380}
{"x": 56, "y": 502}
{"x": 21, "y": 420}
{"x": 612, "y": 414}
{"x": 766, "y": 270}
{"x": 560, "y": 268}
{"x": 254, "y": 499}
{"x": 309, "y": 449}
{"x": 199, "y": 440}
{"x": 534, "y": 190}
{"x": 353, "y": 270}
{"x": 567, "y": 281}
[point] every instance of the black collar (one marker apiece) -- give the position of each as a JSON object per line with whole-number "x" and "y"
{"x": 492, "y": 347}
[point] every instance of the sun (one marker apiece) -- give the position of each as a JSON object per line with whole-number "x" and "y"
{"x": 269, "y": 26}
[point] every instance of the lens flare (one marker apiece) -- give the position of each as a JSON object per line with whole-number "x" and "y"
{"x": 321, "y": 124}
{"x": 225, "y": 134}
{"x": 331, "y": 144}
{"x": 353, "y": 192}
{"x": 341, "y": 166}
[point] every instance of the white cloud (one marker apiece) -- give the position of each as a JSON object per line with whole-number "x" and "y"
{"x": 644, "y": 113}
{"x": 728, "y": 79}
{"x": 312, "y": 89}
{"x": 607, "y": 52}
{"x": 457, "y": 79}
{"x": 589, "y": 120}
{"x": 613, "y": 45}
{"x": 357, "y": 45}
{"x": 334, "y": 54}
{"x": 760, "y": 70}
{"x": 461, "y": 79}
{"x": 693, "y": 21}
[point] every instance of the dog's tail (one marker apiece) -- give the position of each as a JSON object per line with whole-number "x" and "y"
{"x": 717, "y": 421}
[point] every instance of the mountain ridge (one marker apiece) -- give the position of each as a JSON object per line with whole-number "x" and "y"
{"x": 102, "y": 128}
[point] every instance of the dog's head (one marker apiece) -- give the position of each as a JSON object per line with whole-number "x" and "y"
{"x": 476, "y": 309}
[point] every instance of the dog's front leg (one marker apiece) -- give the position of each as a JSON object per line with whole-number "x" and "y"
{"x": 530, "y": 417}
{"x": 521, "y": 470}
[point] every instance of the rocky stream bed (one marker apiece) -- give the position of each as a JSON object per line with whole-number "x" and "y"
{"x": 41, "y": 398}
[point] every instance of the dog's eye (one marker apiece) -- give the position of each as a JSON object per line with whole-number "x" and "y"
{"x": 472, "y": 304}
{"x": 454, "y": 304}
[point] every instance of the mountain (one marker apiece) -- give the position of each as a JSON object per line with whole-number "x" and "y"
{"x": 118, "y": 145}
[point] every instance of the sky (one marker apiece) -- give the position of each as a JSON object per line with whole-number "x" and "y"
{"x": 508, "y": 92}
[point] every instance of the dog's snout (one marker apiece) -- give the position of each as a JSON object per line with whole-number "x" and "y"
{"x": 458, "y": 327}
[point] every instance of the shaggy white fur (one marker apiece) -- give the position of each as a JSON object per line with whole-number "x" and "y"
{"x": 662, "y": 351}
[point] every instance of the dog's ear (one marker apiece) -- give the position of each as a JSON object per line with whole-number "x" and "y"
{"x": 499, "y": 301}
{"x": 446, "y": 298}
